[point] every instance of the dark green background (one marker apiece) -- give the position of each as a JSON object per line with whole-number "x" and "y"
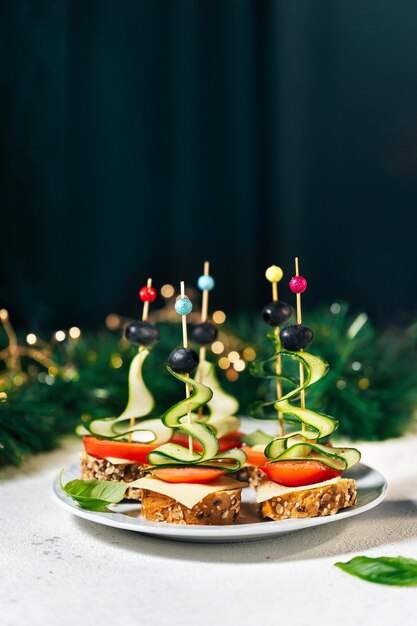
{"x": 141, "y": 137}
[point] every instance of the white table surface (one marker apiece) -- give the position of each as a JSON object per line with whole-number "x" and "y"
{"x": 58, "y": 569}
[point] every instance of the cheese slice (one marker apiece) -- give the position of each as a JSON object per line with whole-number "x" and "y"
{"x": 186, "y": 493}
{"x": 114, "y": 461}
{"x": 268, "y": 489}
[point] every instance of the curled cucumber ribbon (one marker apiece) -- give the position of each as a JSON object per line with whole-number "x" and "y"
{"x": 301, "y": 445}
{"x": 172, "y": 454}
{"x": 222, "y": 406}
{"x": 140, "y": 403}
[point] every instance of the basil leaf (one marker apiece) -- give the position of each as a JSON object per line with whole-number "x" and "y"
{"x": 94, "y": 495}
{"x": 256, "y": 438}
{"x": 384, "y": 570}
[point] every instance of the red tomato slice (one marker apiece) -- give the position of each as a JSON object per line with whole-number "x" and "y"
{"x": 232, "y": 440}
{"x": 119, "y": 449}
{"x": 254, "y": 457}
{"x": 225, "y": 444}
{"x": 298, "y": 473}
{"x": 234, "y": 436}
{"x": 199, "y": 475}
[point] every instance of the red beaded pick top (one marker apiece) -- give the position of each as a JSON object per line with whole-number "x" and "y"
{"x": 147, "y": 294}
{"x": 298, "y": 284}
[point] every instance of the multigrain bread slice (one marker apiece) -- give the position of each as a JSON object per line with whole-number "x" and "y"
{"x": 219, "y": 508}
{"x": 327, "y": 499}
{"x": 101, "y": 469}
{"x": 252, "y": 475}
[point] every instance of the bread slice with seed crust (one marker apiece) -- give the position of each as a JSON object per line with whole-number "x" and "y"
{"x": 322, "y": 500}
{"x": 251, "y": 474}
{"x": 101, "y": 469}
{"x": 219, "y": 508}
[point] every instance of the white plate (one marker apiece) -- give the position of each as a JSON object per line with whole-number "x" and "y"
{"x": 371, "y": 486}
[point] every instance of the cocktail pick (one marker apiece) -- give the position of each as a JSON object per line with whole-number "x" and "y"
{"x": 298, "y": 285}
{"x": 274, "y": 274}
{"x": 143, "y": 334}
{"x": 205, "y": 332}
{"x": 183, "y": 307}
{"x": 147, "y": 294}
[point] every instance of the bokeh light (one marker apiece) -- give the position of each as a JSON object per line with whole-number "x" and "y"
{"x": 233, "y": 356}
{"x": 239, "y": 365}
{"x": 217, "y": 347}
{"x": 224, "y": 363}
{"x": 167, "y": 291}
{"x": 219, "y": 317}
{"x": 249, "y": 354}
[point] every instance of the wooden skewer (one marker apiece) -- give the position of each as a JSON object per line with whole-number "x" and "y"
{"x": 187, "y": 386}
{"x": 145, "y": 313}
{"x": 274, "y": 275}
{"x": 275, "y": 292}
{"x": 204, "y": 316}
{"x": 278, "y": 366}
{"x": 184, "y": 319}
{"x": 204, "y": 307}
{"x": 300, "y": 321}
{"x": 145, "y": 310}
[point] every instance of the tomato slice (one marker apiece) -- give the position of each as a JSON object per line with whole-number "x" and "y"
{"x": 254, "y": 457}
{"x": 234, "y": 436}
{"x": 224, "y": 442}
{"x": 298, "y": 473}
{"x": 199, "y": 475}
{"x": 130, "y": 451}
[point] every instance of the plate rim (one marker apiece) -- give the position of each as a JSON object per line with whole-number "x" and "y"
{"x": 261, "y": 530}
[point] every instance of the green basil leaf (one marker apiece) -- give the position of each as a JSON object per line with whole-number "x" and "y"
{"x": 384, "y": 570}
{"x": 94, "y": 495}
{"x": 256, "y": 438}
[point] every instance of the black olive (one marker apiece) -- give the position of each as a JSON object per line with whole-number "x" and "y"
{"x": 276, "y": 313}
{"x": 296, "y": 337}
{"x": 183, "y": 360}
{"x": 142, "y": 333}
{"x": 203, "y": 334}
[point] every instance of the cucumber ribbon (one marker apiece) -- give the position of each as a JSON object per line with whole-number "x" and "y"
{"x": 171, "y": 454}
{"x": 222, "y": 407}
{"x": 301, "y": 445}
{"x": 140, "y": 403}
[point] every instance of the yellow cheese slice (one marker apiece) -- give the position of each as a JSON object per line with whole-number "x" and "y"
{"x": 185, "y": 493}
{"x": 114, "y": 461}
{"x": 268, "y": 489}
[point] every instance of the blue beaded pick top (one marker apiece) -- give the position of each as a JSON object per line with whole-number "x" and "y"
{"x": 205, "y": 283}
{"x": 183, "y": 306}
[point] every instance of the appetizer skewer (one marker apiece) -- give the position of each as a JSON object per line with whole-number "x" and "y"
{"x": 298, "y": 285}
{"x": 183, "y": 307}
{"x": 115, "y": 448}
{"x": 222, "y": 407}
{"x": 146, "y": 294}
{"x": 297, "y": 461}
{"x": 205, "y": 331}
{"x": 274, "y": 314}
{"x": 281, "y": 313}
{"x": 185, "y": 485}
